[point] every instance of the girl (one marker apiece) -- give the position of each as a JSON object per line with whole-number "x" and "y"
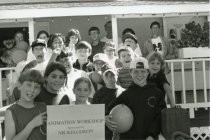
{"x": 72, "y": 38}
{"x": 82, "y": 90}
{"x": 157, "y": 76}
{"x": 25, "y": 117}
{"x": 55, "y": 78}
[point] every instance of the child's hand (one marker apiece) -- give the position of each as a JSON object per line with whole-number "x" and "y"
{"x": 110, "y": 124}
{"x": 56, "y": 51}
{"x": 39, "y": 119}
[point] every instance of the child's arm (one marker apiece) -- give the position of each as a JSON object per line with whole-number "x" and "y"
{"x": 24, "y": 134}
{"x": 168, "y": 91}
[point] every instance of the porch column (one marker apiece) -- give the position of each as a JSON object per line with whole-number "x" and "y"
{"x": 31, "y": 30}
{"x": 114, "y": 31}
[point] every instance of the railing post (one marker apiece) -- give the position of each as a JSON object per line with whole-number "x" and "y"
{"x": 204, "y": 81}
{"x": 183, "y": 83}
{"x": 194, "y": 82}
{"x": 1, "y": 96}
{"x": 172, "y": 81}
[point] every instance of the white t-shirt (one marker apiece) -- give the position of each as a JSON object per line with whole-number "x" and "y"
{"x": 158, "y": 45}
{"x": 105, "y": 39}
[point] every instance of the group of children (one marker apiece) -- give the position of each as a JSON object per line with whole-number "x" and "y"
{"x": 69, "y": 77}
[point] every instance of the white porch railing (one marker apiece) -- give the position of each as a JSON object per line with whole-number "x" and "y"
{"x": 185, "y": 75}
{"x": 190, "y": 75}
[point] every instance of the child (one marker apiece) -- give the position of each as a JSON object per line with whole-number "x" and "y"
{"x": 55, "y": 79}
{"x": 109, "y": 50}
{"x": 83, "y": 51}
{"x": 109, "y": 92}
{"x": 72, "y": 74}
{"x": 25, "y": 118}
{"x": 82, "y": 90}
{"x": 145, "y": 102}
{"x": 157, "y": 75}
{"x": 130, "y": 40}
{"x": 95, "y": 76}
{"x": 125, "y": 56}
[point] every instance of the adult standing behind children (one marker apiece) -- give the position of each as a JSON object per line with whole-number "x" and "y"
{"x": 41, "y": 35}
{"x": 144, "y": 100}
{"x": 96, "y": 43}
{"x": 24, "y": 119}
{"x": 108, "y": 30}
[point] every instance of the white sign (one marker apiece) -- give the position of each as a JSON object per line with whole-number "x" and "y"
{"x": 76, "y": 122}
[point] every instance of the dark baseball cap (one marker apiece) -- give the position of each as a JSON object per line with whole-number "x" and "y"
{"x": 39, "y": 42}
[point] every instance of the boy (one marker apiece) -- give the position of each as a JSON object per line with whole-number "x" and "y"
{"x": 109, "y": 50}
{"x": 83, "y": 51}
{"x": 97, "y": 45}
{"x": 95, "y": 76}
{"x": 130, "y": 40}
{"x": 126, "y": 55}
{"x": 25, "y": 118}
{"x": 109, "y": 92}
{"x": 145, "y": 102}
{"x": 108, "y": 30}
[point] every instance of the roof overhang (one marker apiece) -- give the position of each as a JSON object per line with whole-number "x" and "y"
{"x": 146, "y": 8}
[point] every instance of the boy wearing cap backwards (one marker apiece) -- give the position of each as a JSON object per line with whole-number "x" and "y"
{"x": 109, "y": 92}
{"x": 83, "y": 51}
{"x": 145, "y": 102}
{"x": 109, "y": 50}
{"x": 130, "y": 40}
{"x": 95, "y": 76}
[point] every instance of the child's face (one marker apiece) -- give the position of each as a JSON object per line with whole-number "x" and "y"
{"x": 110, "y": 79}
{"x": 29, "y": 90}
{"x": 73, "y": 39}
{"x": 155, "y": 30}
{"x": 154, "y": 66}
{"x": 67, "y": 61}
{"x": 19, "y": 37}
{"x": 125, "y": 58}
{"x": 82, "y": 91}
{"x": 98, "y": 64}
{"x": 39, "y": 52}
{"x": 130, "y": 43}
{"x": 57, "y": 43}
{"x": 82, "y": 54}
{"x": 43, "y": 36}
{"x": 139, "y": 76}
{"x": 55, "y": 80}
{"x": 94, "y": 35}
{"x": 109, "y": 52}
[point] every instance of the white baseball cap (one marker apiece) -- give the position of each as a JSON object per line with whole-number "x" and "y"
{"x": 139, "y": 63}
{"x": 100, "y": 56}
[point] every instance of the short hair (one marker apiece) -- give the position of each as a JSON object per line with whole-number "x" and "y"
{"x": 108, "y": 22}
{"x": 20, "y": 32}
{"x": 155, "y": 55}
{"x": 126, "y": 49}
{"x": 55, "y": 66}
{"x": 154, "y": 23}
{"x": 82, "y": 79}
{"x": 72, "y": 32}
{"x": 83, "y": 45}
{"x": 63, "y": 54}
{"x": 128, "y": 30}
{"x": 42, "y": 32}
{"x": 110, "y": 44}
{"x": 52, "y": 37}
{"x": 93, "y": 29}
{"x": 32, "y": 76}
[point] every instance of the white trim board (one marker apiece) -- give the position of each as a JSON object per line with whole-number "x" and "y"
{"x": 104, "y": 10}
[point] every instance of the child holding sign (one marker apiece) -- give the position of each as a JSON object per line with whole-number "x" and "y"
{"x": 82, "y": 90}
{"x": 23, "y": 120}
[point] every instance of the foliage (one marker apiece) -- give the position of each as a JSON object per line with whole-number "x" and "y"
{"x": 194, "y": 35}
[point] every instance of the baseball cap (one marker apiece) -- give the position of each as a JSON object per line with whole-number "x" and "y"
{"x": 139, "y": 63}
{"x": 40, "y": 42}
{"x": 129, "y": 35}
{"x": 100, "y": 56}
{"x": 106, "y": 68}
